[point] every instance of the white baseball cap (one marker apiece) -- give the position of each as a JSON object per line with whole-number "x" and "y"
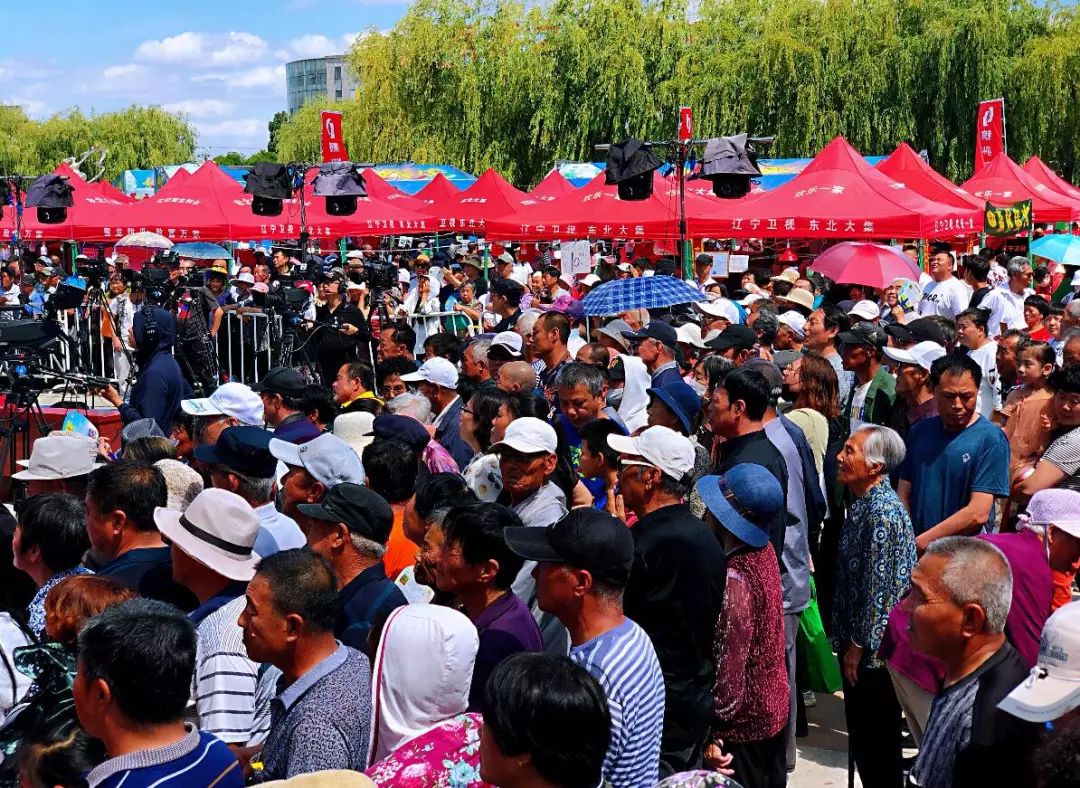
{"x": 794, "y": 321}
{"x": 750, "y": 298}
{"x": 660, "y": 446}
{"x": 689, "y": 334}
{"x": 235, "y": 400}
{"x": 510, "y": 341}
{"x": 590, "y": 280}
{"x": 58, "y": 456}
{"x": 435, "y": 370}
{"x": 867, "y": 310}
{"x": 1076, "y": 279}
{"x": 218, "y": 529}
{"x": 245, "y": 278}
{"x": 1052, "y": 689}
{"x": 328, "y": 459}
{"x": 924, "y": 354}
{"x": 354, "y": 254}
{"x": 529, "y": 436}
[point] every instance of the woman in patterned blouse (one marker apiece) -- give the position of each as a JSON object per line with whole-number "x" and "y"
{"x": 876, "y": 555}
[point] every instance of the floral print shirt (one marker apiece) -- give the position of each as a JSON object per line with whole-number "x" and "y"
{"x": 447, "y": 756}
{"x": 875, "y": 559}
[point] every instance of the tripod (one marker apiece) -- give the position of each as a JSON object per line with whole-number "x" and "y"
{"x": 95, "y": 297}
{"x": 21, "y": 408}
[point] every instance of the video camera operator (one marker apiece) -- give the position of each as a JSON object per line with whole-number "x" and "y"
{"x": 160, "y": 386}
{"x": 283, "y": 268}
{"x": 198, "y": 318}
{"x": 341, "y": 328}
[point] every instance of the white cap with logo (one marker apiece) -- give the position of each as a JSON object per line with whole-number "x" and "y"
{"x": 794, "y": 321}
{"x": 510, "y": 341}
{"x": 660, "y": 446}
{"x": 923, "y": 354}
{"x": 867, "y": 310}
{"x": 1053, "y": 688}
{"x": 435, "y": 370}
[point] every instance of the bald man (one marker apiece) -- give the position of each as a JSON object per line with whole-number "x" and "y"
{"x": 517, "y": 376}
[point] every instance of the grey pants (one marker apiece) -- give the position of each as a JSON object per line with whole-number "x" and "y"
{"x": 791, "y": 629}
{"x": 916, "y": 703}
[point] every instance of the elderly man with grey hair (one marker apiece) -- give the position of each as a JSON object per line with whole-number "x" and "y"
{"x": 961, "y": 591}
{"x": 409, "y": 404}
{"x": 1070, "y": 346}
{"x": 873, "y": 570}
{"x": 474, "y": 362}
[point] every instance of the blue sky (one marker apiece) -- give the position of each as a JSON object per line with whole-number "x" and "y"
{"x": 220, "y": 62}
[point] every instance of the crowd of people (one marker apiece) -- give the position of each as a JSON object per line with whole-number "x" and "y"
{"x": 550, "y": 551}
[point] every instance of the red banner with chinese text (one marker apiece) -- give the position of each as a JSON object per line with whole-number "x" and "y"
{"x": 989, "y": 132}
{"x": 333, "y": 142}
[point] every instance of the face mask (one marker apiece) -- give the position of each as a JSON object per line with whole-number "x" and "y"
{"x": 698, "y": 387}
{"x": 614, "y": 398}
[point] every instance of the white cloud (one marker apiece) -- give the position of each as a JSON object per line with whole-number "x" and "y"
{"x": 33, "y": 107}
{"x": 243, "y": 133}
{"x": 203, "y": 49}
{"x": 181, "y": 48}
{"x": 200, "y": 108}
{"x": 239, "y": 49}
{"x": 122, "y": 72}
{"x": 313, "y": 46}
{"x": 258, "y": 77}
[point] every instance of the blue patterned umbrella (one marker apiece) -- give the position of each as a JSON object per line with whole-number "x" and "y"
{"x": 201, "y": 250}
{"x": 1059, "y": 248}
{"x": 649, "y": 292}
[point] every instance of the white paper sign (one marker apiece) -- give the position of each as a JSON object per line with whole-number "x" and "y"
{"x": 738, "y": 263}
{"x": 719, "y": 264}
{"x": 575, "y": 258}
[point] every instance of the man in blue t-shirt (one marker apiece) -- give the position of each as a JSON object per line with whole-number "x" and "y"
{"x": 956, "y": 462}
{"x": 136, "y": 661}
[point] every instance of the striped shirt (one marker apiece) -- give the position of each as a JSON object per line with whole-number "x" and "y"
{"x": 196, "y": 761}
{"x": 230, "y": 699}
{"x": 624, "y": 662}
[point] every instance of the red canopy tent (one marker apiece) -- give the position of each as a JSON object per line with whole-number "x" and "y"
{"x": 553, "y": 185}
{"x": 1036, "y": 168}
{"x": 490, "y": 196}
{"x": 595, "y": 211}
{"x": 1003, "y": 181}
{"x": 909, "y": 168}
{"x": 90, "y": 200}
{"x": 378, "y": 189}
{"x": 838, "y": 195}
{"x": 438, "y": 188}
{"x": 177, "y": 178}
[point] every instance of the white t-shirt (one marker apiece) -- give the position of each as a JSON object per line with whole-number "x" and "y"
{"x": 1000, "y": 309}
{"x": 858, "y": 399}
{"x": 1014, "y": 310}
{"x": 948, "y": 298}
{"x": 989, "y": 393}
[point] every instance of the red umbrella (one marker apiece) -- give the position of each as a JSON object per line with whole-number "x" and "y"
{"x": 862, "y": 263}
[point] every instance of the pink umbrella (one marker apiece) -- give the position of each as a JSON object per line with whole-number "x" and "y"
{"x": 862, "y": 263}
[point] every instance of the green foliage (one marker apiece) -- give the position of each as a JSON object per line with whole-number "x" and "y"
{"x": 136, "y": 137}
{"x": 516, "y": 86}
{"x": 273, "y": 127}
{"x": 236, "y": 159}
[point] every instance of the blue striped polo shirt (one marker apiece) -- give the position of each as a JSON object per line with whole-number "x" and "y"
{"x": 624, "y": 662}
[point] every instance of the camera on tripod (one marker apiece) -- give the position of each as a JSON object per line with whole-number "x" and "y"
{"x": 95, "y": 271}
{"x": 377, "y": 276}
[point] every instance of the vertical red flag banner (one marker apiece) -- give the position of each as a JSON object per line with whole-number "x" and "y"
{"x": 333, "y": 143}
{"x": 686, "y": 124}
{"x": 989, "y": 132}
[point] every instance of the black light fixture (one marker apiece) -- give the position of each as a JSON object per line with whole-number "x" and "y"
{"x": 270, "y": 184}
{"x": 52, "y": 196}
{"x": 341, "y": 183}
{"x": 730, "y": 163}
{"x": 630, "y": 165}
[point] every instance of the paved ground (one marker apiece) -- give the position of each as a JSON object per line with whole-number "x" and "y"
{"x": 823, "y": 755}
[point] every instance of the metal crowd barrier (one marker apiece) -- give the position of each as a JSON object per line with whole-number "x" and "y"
{"x": 244, "y": 348}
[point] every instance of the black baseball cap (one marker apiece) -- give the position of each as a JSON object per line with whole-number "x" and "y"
{"x": 585, "y": 538}
{"x": 734, "y": 336}
{"x": 658, "y": 330}
{"x": 506, "y": 287}
{"x": 864, "y": 333}
{"x": 244, "y": 449}
{"x": 921, "y": 330}
{"x": 364, "y": 511}
{"x": 281, "y": 380}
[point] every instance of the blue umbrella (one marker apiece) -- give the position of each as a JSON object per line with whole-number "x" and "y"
{"x": 201, "y": 250}
{"x": 649, "y": 292}
{"x": 1059, "y": 248}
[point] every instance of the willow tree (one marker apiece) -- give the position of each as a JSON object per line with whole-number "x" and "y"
{"x": 517, "y": 86}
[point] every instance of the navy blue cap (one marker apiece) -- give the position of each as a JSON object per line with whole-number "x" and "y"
{"x": 585, "y": 538}
{"x": 658, "y": 330}
{"x": 244, "y": 449}
{"x": 391, "y": 426}
{"x": 743, "y": 500}
{"x": 681, "y": 399}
